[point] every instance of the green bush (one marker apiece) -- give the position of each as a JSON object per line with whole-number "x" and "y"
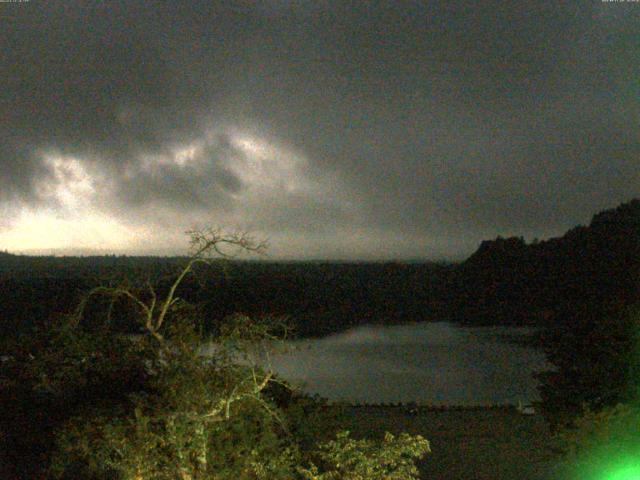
{"x": 602, "y": 445}
{"x": 347, "y": 459}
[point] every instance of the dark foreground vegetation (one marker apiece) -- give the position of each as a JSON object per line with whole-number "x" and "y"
{"x": 475, "y": 443}
{"x": 581, "y": 290}
{"x": 82, "y": 400}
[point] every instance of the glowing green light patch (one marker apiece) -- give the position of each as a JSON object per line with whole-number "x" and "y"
{"x": 627, "y": 472}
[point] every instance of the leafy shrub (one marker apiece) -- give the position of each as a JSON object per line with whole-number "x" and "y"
{"x": 347, "y": 459}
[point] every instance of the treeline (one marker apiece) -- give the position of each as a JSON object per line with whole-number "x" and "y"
{"x": 317, "y": 298}
{"x": 583, "y": 289}
{"x": 505, "y": 282}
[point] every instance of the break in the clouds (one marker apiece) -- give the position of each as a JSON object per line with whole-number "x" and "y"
{"x": 335, "y": 129}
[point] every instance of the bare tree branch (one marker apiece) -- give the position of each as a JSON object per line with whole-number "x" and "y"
{"x": 205, "y": 244}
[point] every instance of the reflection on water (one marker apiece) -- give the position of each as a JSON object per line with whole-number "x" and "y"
{"x": 436, "y": 363}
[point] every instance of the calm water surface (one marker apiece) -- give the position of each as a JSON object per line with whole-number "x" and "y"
{"x": 436, "y": 363}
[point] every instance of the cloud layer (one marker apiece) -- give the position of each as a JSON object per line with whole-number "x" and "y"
{"x": 336, "y": 129}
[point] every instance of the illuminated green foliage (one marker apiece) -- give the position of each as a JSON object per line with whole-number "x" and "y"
{"x": 604, "y": 442}
{"x": 347, "y": 459}
{"x": 603, "y": 445}
{"x": 626, "y": 472}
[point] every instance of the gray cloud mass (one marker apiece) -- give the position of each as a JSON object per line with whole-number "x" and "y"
{"x": 336, "y": 129}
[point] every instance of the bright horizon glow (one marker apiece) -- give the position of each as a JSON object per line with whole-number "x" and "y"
{"x": 77, "y": 217}
{"x": 45, "y": 231}
{"x": 72, "y": 220}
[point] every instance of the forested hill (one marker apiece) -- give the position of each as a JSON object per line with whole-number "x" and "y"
{"x": 507, "y": 281}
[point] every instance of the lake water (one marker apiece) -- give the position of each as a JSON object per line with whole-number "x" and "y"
{"x": 432, "y": 363}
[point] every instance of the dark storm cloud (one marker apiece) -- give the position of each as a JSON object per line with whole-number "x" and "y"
{"x": 188, "y": 186}
{"x": 435, "y": 121}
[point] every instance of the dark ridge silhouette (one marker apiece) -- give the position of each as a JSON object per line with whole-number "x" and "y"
{"x": 583, "y": 289}
{"x": 505, "y": 282}
{"x": 509, "y": 282}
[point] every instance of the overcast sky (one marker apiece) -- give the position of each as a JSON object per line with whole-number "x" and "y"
{"x": 353, "y": 130}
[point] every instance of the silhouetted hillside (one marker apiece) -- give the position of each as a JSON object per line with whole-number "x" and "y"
{"x": 507, "y": 281}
